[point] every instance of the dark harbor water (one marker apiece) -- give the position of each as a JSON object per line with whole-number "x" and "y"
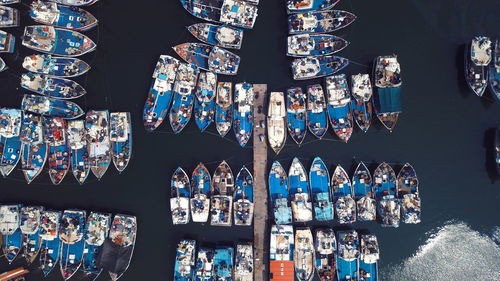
{"x": 444, "y": 132}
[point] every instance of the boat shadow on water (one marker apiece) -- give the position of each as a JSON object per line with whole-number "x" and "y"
{"x": 489, "y": 150}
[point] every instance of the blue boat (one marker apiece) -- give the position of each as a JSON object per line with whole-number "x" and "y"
{"x": 120, "y": 135}
{"x": 363, "y": 193}
{"x": 319, "y": 179}
{"x": 51, "y": 13}
{"x": 180, "y": 194}
{"x": 303, "y": 6}
{"x": 209, "y": 58}
{"x": 224, "y": 263}
{"x": 30, "y": 226}
{"x": 407, "y": 192}
{"x": 384, "y": 185}
{"x": 77, "y": 142}
{"x": 243, "y": 198}
{"x": 494, "y": 72}
{"x": 71, "y": 233}
{"x": 10, "y": 143}
{"x": 12, "y": 237}
{"x": 55, "y": 66}
{"x": 51, "y": 107}
{"x": 347, "y": 255}
{"x": 339, "y": 106}
{"x": 182, "y": 106}
{"x": 300, "y": 192}
{"x": 221, "y": 202}
{"x": 296, "y": 114}
{"x": 302, "y": 45}
{"x": 368, "y": 262}
{"x": 477, "y": 57}
{"x": 345, "y": 206}
{"x": 243, "y": 112}
{"x": 317, "y": 66}
{"x": 160, "y": 92}
{"x": 9, "y": 17}
{"x": 387, "y": 99}
{"x": 7, "y": 42}
{"x": 319, "y": 22}
{"x": 50, "y": 245}
{"x": 224, "y": 108}
{"x": 34, "y": 151}
{"x": 317, "y": 119}
{"x": 201, "y": 187}
{"x": 217, "y": 35}
{"x": 57, "y": 41}
{"x": 98, "y": 143}
{"x": 362, "y": 109}
{"x": 204, "y": 270}
{"x": 234, "y": 12}
{"x": 325, "y": 246}
{"x": 204, "y": 104}
{"x": 184, "y": 260}
{"x": 279, "y": 194}
{"x": 96, "y": 232}
{"x": 58, "y": 88}
{"x": 59, "y": 153}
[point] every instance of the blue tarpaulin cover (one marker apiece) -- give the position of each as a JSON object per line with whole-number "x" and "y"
{"x": 388, "y": 100}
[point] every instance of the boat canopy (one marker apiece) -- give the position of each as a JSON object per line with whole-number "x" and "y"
{"x": 388, "y": 100}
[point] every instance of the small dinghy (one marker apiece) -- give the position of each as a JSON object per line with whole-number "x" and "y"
{"x": 11, "y": 233}
{"x": 51, "y": 107}
{"x": 243, "y": 269}
{"x": 304, "y": 254}
{"x": 325, "y": 246}
{"x": 55, "y": 66}
{"x": 299, "y": 192}
{"x": 388, "y": 208}
{"x": 345, "y": 206}
{"x": 201, "y": 188}
{"x": 224, "y": 108}
{"x": 224, "y": 263}
{"x": 302, "y": 45}
{"x": 217, "y": 35}
{"x": 58, "y": 88}
{"x": 276, "y": 121}
{"x": 243, "y": 198}
{"x": 233, "y": 12}
{"x": 50, "y": 245}
{"x": 180, "y": 193}
{"x": 204, "y": 267}
{"x": 362, "y": 109}
{"x": 319, "y": 22}
{"x": 407, "y": 192}
{"x": 243, "y": 112}
{"x": 71, "y": 234}
{"x": 184, "y": 260}
{"x": 319, "y": 179}
{"x": 51, "y": 13}
{"x": 10, "y": 142}
{"x": 317, "y": 66}
{"x": 279, "y": 193}
{"x": 183, "y": 90}
{"x": 370, "y": 254}
{"x": 7, "y": 43}
{"x": 347, "y": 255}
{"x": 204, "y": 104}
{"x": 387, "y": 99}
{"x": 221, "y": 202}
{"x": 494, "y": 72}
{"x": 75, "y": 3}
{"x": 57, "y": 41}
{"x": 96, "y": 232}
{"x": 9, "y": 17}
{"x": 59, "y": 151}
{"x": 98, "y": 144}
{"x": 281, "y": 256}
{"x": 363, "y": 193}
{"x": 30, "y": 226}
{"x": 317, "y": 118}
{"x": 209, "y": 58}
{"x": 120, "y": 135}
{"x": 77, "y": 141}
{"x": 34, "y": 151}
{"x": 339, "y": 106}
{"x": 296, "y": 114}
{"x": 304, "y": 6}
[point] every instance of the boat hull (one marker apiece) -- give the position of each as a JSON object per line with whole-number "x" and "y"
{"x": 223, "y": 119}
{"x": 12, "y": 244}
{"x": 49, "y": 255}
{"x": 10, "y": 154}
{"x": 71, "y": 258}
{"x": 204, "y": 114}
{"x": 181, "y": 111}
{"x": 341, "y": 121}
{"x": 31, "y": 244}
{"x": 319, "y": 22}
{"x": 362, "y": 113}
{"x": 33, "y": 159}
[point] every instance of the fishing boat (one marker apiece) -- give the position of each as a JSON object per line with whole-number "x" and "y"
{"x": 319, "y": 179}
{"x": 304, "y": 6}
{"x": 218, "y": 35}
{"x": 317, "y": 118}
{"x": 75, "y": 2}
{"x": 71, "y": 235}
{"x": 50, "y": 245}
{"x": 319, "y": 22}
{"x": 180, "y": 193}
{"x": 363, "y": 193}
{"x": 302, "y": 45}
{"x": 184, "y": 260}
{"x": 96, "y": 232}
{"x": 243, "y": 112}
{"x": 12, "y": 237}
{"x": 34, "y": 151}
{"x": 221, "y": 202}
{"x": 204, "y": 270}
{"x": 317, "y": 66}
{"x": 51, "y": 107}
{"x": 57, "y": 41}
{"x": 9, "y": 17}
{"x": 243, "y": 198}
{"x": 368, "y": 263}
{"x": 209, "y": 58}
{"x": 58, "y": 149}
{"x": 10, "y": 142}
{"x": 361, "y": 103}
{"x": 300, "y": 192}
{"x": 384, "y": 185}
{"x": 224, "y": 108}
{"x": 201, "y": 187}
{"x": 339, "y": 106}
{"x": 276, "y": 119}
{"x": 98, "y": 143}
{"x": 347, "y": 255}
{"x": 304, "y": 254}
{"x": 296, "y": 114}
{"x": 387, "y": 99}
{"x": 325, "y": 246}
{"x": 497, "y": 149}
{"x": 51, "y": 13}
{"x": 58, "y": 88}
{"x": 345, "y": 206}
{"x": 30, "y": 225}
{"x": 77, "y": 141}
{"x": 281, "y": 259}
{"x": 494, "y": 72}
{"x": 55, "y": 66}
{"x": 243, "y": 269}
{"x": 120, "y": 135}
{"x": 407, "y": 192}
{"x": 477, "y": 58}
{"x": 160, "y": 92}
{"x": 279, "y": 193}
{"x": 182, "y": 105}
{"x": 7, "y": 42}
{"x": 204, "y": 104}
{"x": 233, "y": 12}
{"x": 224, "y": 263}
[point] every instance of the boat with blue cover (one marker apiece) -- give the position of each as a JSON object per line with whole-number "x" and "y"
{"x": 184, "y": 260}
{"x": 319, "y": 22}
{"x": 370, "y": 254}
{"x": 50, "y": 245}
{"x": 347, "y": 255}
{"x": 120, "y": 135}
{"x": 279, "y": 193}
{"x": 224, "y": 263}
{"x": 75, "y": 2}
{"x": 58, "y": 88}
{"x": 304, "y": 254}
{"x": 233, "y": 12}
{"x": 12, "y": 237}
{"x": 98, "y": 143}
{"x": 30, "y": 226}
{"x": 209, "y": 58}
{"x": 317, "y": 66}
{"x": 204, "y": 266}
{"x": 243, "y": 198}
{"x": 204, "y": 104}
{"x": 300, "y": 192}
{"x": 217, "y": 35}
{"x": 9, "y": 17}
{"x": 281, "y": 251}
{"x": 58, "y": 150}
{"x": 363, "y": 193}
{"x": 319, "y": 179}
{"x": 96, "y": 232}
{"x": 384, "y": 181}
{"x": 303, "y": 6}
{"x": 224, "y": 108}
{"x": 325, "y": 246}
{"x": 77, "y": 142}
{"x": 345, "y": 206}
{"x": 301, "y": 45}
{"x": 55, "y": 66}
{"x": 407, "y": 192}
{"x": 51, "y": 13}
{"x": 7, "y": 42}
{"x": 71, "y": 235}
{"x": 243, "y": 262}
{"x": 477, "y": 58}
{"x": 384, "y": 185}
{"x": 160, "y": 92}
{"x": 243, "y": 112}
{"x": 339, "y": 106}
{"x": 362, "y": 109}
{"x": 387, "y": 99}
{"x": 180, "y": 194}
{"x": 276, "y": 121}
{"x": 34, "y": 151}
{"x": 201, "y": 187}
{"x": 221, "y": 202}
{"x": 494, "y": 72}
{"x": 10, "y": 142}
{"x": 51, "y": 107}
{"x": 317, "y": 118}
{"x": 296, "y": 115}
{"x": 183, "y": 90}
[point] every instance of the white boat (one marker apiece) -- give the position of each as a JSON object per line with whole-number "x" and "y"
{"x": 304, "y": 254}
{"x": 276, "y": 121}
{"x": 243, "y": 270}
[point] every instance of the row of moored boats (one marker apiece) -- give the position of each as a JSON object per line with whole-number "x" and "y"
{"x": 482, "y": 66}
